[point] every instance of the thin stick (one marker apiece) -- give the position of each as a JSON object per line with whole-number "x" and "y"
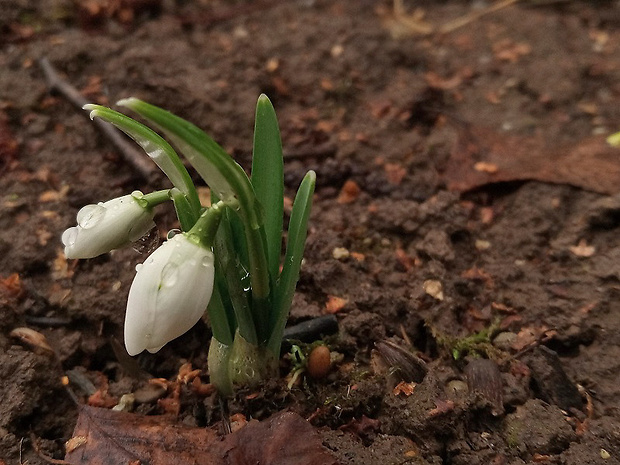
{"x": 464, "y": 20}
{"x": 134, "y": 157}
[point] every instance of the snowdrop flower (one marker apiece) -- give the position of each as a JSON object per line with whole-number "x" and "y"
{"x": 169, "y": 294}
{"x": 107, "y": 226}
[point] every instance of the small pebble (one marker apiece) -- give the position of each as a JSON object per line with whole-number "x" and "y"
{"x": 482, "y": 244}
{"x": 433, "y": 288}
{"x": 340, "y": 253}
{"x": 504, "y": 340}
{"x": 456, "y": 389}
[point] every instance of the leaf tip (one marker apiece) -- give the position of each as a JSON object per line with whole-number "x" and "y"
{"x": 92, "y": 108}
{"x": 128, "y": 102}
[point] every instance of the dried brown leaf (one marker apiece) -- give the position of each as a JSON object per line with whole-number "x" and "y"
{"x": 114, "y": 438}
{"x": 591, "y": 164}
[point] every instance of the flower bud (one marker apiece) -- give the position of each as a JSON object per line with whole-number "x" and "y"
{"x": 107, "y": 226}
{"x": 169, "y": 294}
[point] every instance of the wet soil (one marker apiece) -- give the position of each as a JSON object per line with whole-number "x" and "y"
{"x": 524, "y": 273}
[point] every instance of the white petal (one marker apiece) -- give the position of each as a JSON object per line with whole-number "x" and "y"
{"x": 107, "y": 226}
{"x": 168, "y": 295}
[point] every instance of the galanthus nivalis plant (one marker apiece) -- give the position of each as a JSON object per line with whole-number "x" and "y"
{"x": 227, "y": 258}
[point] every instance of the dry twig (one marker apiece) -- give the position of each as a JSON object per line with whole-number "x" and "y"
{"x": 134, "y": 157}
{"x": 464, "y": 20}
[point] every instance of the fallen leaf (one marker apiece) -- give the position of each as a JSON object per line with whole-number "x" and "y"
{"x": 441, "y": 407}
{"x": 436, "y": 81}
{"x": 349, "y": 193}
{"x": 582, "y": 249}
{"x": 11, "y": 286}
{"x": 335, "y": 304}
{"x": 404, "y": 388}
{"x": 404, "y": 259}
{"x": 485, "y": 167}
{"x": 478, "y": 274}
{"x": 54, "y": 196}
{"x": 114, "y": 438}
{"x": 507, "y": 50}
{"x": 591, "y": 164}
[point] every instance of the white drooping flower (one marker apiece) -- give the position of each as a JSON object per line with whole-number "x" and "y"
{"x": 169, "y": 294}
{"x": 107, "y": 226}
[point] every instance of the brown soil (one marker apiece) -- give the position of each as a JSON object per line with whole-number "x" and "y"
{"x": 360, "y": 100}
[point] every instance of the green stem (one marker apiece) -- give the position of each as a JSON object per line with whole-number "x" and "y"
{"x": 152, "y": 199}
{"x": 206, "y": 226}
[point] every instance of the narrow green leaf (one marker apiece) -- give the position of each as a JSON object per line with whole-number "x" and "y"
{"x": 298, "y": 228}
{"x": 268, "y": 178}
{"x": 156, "y": 148}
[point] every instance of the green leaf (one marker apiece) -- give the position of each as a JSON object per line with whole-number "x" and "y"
{"x": 298, "y": 228}
{"x": 156, "y": 148}
{"x": 268, "y": 178}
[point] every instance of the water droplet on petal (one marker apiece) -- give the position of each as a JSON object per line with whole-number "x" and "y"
{"x": 139, "y": 266}
{"x": 207, "y": 261}
{"x": 172, "y": 233}
{"x": 90, "y": 215}
{"x": 137, "y": 195}
{"x": 69, "y": 237}
{"x": 169, "y": 275}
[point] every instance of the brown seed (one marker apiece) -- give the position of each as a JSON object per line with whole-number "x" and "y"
{"x": 484, "y": 377}
{"x": 410, "y": 368}
{"x": 34, "y": 339}
{"x": 319, "y": 362}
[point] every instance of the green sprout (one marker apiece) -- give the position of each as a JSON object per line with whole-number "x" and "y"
{"x": 227, "y": 259}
